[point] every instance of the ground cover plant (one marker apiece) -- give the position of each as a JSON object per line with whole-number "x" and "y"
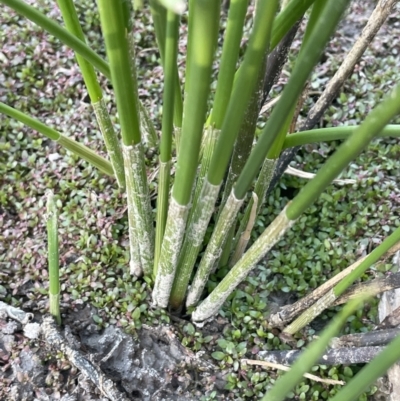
{"x": 171, "y": 269}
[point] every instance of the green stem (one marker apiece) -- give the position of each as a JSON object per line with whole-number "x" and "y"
{"x": 149, "y": 134}
{"x": 272, "y": 234}
{"x": 177, "y": 135}
{"x": 175, "y": 6}
{"x": 276, "y": 147}
{"x": 316, "y": 11}
{"x": 148, "y": 137}
{"x": 89, "y": 76}
{"x": 373, "y": 124}
{"x": 60, "y": 33}
{"x": 203, "y": 34}
{"x": 287, "y": 18}
{"x": 203, "y": 199}
{"x": 245, "y": 84}
{"x": 170, "y": 70}
{"x": 213, "y": 250}
{"x": 210, "y": 140}
{"x": 174, "y": 232}
{"x": 203, "y": 38}
{"x": 137, "y": 4}
{"x": 159, "y": 15}
{"x": 139, "y": 208}
{"x": 244, "y": 237}
{"x": 147, "y": 131}
{"x": 227, "y": 249}
{"x": 189, "y": 46}
{"x": 53, "y": 257}
{"x": 241, "y": 152}
{"x": 72, "y": 24}
{"x": 243, "y": 145}
{"x": 110, "y": 139}
{"x": 239, "y": 115}
{"x": 113, "y": 22}
{"x": 260, "y": 189}
{"x": 162, "y": 209}
{"x": 306, "y": 61}
{"x": 229, "y": 57}
{"x": 77, "y": 148}
{"x": 193, "y": 242}
{"x": 245, "y": 139}
{"x": 333, "y": 134}
{"x": 114, "y": 19}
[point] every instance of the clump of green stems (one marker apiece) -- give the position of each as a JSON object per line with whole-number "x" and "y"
{"x": 209, "y": 143}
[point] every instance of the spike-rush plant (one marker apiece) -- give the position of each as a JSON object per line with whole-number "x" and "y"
{"x": 220, "y": 160}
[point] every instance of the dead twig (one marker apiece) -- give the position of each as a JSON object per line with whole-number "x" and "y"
{"x": 299, "y": 106}
{"x": 391, "y": 320}
{"x": 270, "y": 104}
{"x": 309, "y": 176}
{"x": 288, "y": 312}
{"x": 287, "y": 368}
{"x": 15, "y": 313}
{"x": 340, "y": 356}
{"x": 375, "y": 21}
{"x": 372, "y": 338}
{"x": 372, "y": 288}
{"x": 54, "y": 338}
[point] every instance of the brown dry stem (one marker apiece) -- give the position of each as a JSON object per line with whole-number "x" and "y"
{"x": 288, "y": 312}
{"x": 287, "y": 368}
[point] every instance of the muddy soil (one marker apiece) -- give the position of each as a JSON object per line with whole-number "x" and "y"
{"x": 150, "y": 365}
